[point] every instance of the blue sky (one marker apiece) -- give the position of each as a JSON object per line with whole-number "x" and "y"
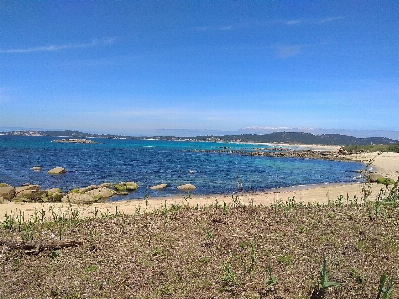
{"x": 133, "y": 67}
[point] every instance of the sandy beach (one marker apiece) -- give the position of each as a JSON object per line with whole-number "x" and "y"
{"x": 386, "y": 164}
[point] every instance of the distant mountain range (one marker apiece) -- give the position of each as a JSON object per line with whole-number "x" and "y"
{"x": 306, "y": 138}
{"x": 317, "y": 131}
{"x": 274, "y": 137}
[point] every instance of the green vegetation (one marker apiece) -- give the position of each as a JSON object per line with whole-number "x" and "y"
{"x": 305, "y": 138}
{"x": 353, "y": 149}
{"x": 223, "y": 250}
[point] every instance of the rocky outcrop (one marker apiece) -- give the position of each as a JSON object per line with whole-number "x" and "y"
{"x": 374, "y": 177}
{"x": 7, "y": 192}
{"x": 126, "y": 186}
{"x": 101, "y": 193}
{"x": 26, "y": 189}
{"x": 29, "y": 193}
{"x": 34, "y": 193}
{"x": 131, "y": 186}
{"x": 74, "y": 140}
{"x": 78, "y": 198}
{"x": 286, "y": 153}
{"x": 88, "y": 195}
{"x": 186, "y": 187}
{"x": 54, "y": 194}
{"x": 159, "y": 187}
{"x": 57, "y": 170}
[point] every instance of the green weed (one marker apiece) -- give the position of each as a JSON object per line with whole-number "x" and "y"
{"x": 384, "y": 287}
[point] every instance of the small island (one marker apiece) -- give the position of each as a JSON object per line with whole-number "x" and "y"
{"x": 74, "y": 140}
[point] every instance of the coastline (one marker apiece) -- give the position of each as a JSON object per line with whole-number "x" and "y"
{"x": 386, "y": 164}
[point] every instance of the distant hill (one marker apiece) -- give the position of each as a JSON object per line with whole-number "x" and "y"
{"x": 275, "y": 137}
{"x": 305, "y": 138}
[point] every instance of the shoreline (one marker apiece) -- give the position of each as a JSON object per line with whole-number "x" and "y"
{"x": 387, "y": 165}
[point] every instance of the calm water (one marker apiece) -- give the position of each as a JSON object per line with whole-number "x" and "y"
{"x": 151, "y": 162}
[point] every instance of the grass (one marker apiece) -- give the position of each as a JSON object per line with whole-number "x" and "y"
{"x": 352, "y": 149}
{"x": 218, "y": 251}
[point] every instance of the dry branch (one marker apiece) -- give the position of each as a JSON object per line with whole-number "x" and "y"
{"x": 36, "y": 247}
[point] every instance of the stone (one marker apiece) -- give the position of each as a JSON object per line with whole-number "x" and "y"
{"x": 88, "y": 188}
{"x": 26, "y": 189}
{"x": 126, "y": 186}
{"x": 78, "y": 198}
{"x": 88, "y": 195}
{"x": 54, "y": 194}
{"x": 31, "y": 196}
{"x": 131, "y": 186}
{"x": 373, "y": 177}
{"x": 57, "y": 170}
{"x": 186, "y": 187}
{"x": 6, "y": 193}
{"x": 101, "y": 193}
{"x": 159, "y": 187}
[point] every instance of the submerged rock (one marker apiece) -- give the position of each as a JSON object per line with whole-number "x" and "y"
{"x": 159, "y": 187}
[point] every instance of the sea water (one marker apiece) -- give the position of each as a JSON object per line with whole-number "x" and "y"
{"x": 152, "y": 162}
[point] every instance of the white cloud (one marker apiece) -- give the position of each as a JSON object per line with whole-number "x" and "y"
{"x": 52, "y": 48}
{"x": 311, "y": 21}
{"x": 217, "y": 28}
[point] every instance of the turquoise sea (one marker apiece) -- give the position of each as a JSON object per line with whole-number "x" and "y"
{"x": 151, "y": 162}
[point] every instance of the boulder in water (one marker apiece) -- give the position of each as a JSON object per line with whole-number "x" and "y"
{"x": 159, "y": 187}
{"x": 57, "y": 170}
{"x": 186, "y": 187}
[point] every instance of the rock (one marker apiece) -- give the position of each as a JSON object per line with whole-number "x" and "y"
{"x": 186, "y": 187}
{"x": 26, "y": 189}
{"x": 78, "y": 198}
{"x": 57, "y": 170}
{"x": 373, "y": 177}
{"x": 29, "y": 193}
{"x": 121, "y": 187}
{"x": 108, "y": 185}
{"x": 126, "y": 186}
{"x": 31, "y": 196}
{"x": 131, "y": 186}
{"x": 6, "y": 193}
{"x": 74, "y": 140}
{"x": 88, "y": 188}
{"x": 54, "y": 194}
{"x": 101, "y": 193}
{"x": 159, "y": 187}
{"x": 36, "y": 168}
{"x": 88, "y": 195}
